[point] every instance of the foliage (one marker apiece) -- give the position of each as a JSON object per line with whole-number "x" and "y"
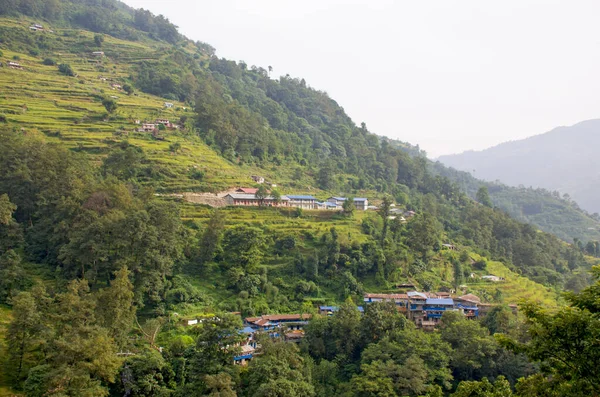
{"x": 66, "y": 69}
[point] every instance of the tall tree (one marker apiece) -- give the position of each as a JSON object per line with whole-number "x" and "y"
{"x": 210, "y": 242}
{"x": 384, "y": 212}
{"x": 483, "y": 197}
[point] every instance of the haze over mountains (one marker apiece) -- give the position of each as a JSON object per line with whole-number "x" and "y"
{"x": 563, "y": 160}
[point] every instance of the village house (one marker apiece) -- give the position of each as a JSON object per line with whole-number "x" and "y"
{"x": 426, "y": 309}
{"x": 166, "y": 123}
{"x": 302, "y": 201}
{"x": 258, "y": 179}
{"x": 492, "y": 278}
{"x": 168, "y": 105}
{"x": 360, "y": 203}
{"x": 326, "y": 205}
{"x": 98, "y": 53}
{"x": 244, "y": 199}
{"x": 147, "y": 127}
{"x": 15, "y": 65}
{"x": 116, "y": 86}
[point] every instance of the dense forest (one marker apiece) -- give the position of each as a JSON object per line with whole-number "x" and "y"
{"x": 98, "y": 272}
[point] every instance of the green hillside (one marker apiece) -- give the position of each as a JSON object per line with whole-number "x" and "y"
{"x": 95, "y": 230}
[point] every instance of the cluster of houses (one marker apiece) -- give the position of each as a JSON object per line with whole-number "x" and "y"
{"x": 153, "y": 127}
{"x": 286, "y": 326}
{"x": 425, "y": 309}
{"x": 247, "y": 197}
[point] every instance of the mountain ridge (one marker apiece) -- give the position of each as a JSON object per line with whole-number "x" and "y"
{"x": 561, "y": 159}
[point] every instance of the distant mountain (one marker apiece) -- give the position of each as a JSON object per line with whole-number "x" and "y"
{"x": 564, "y": 160}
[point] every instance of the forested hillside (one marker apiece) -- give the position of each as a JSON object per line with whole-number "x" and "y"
{"x": 561, "y": 160}
{"x": 546, "y": 209}
{"x": 102, "y": 266}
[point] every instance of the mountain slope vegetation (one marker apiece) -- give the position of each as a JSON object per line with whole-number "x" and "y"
{"x": 101, "y": 266}
{"x": 562, "y": 160}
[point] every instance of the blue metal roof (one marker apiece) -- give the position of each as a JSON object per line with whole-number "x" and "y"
{"x": 338, "y": 198}
{"x": 360, "y": 199}
{"x": 247, "y": 330}
{"x": 331, "y": 308}
{"x": 300, "y": 197}
{"x": 432, "y": 301}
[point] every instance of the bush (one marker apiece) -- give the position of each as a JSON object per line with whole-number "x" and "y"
{"x": 34, "y": 53}
{"x": 66, "y": 69}
{"x": 1, "y": 53}
{"x": 16, "y": 58}
{"x": 3, "y": 119}
{"x": 49, "y": 62}
{"x": 197, "y": 175}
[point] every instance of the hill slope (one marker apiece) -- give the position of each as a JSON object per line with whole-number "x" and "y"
{"x": 563, "y": 160}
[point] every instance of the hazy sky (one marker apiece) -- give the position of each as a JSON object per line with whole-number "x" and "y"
{"x": 449, "y": 75}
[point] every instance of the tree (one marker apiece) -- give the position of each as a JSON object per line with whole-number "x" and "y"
{"x": 280, "y": 371}
{"x": 98, "y": 40}
{"x": 219, "y": 385}
{"x": 174, "y": 147}
{"x": 565, "y": 343}
{"x": 244, "y": 247}
{"x": 22, "y": 337}
{"x": 109, "y": 104}
{"x": 276, "y": 196}
{"x": 128, "y": 89}
{"x": 348, "y": 206}
{"x": 146, "y": 374}
{"x": 423, "y": 232}
{"x": 66, "y": 69}
{"x": 210, "y": 242}
{"x": 472, "y": 346}
{"x": 384, "y": 212}
{"x": 116, "y": 309}
{"x": 6, "y": 209}
{"x": 261, "y": 194}
{"x": 500, "y": 388}
{"x": 483, "y": 197}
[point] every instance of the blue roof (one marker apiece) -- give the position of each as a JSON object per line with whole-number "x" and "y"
{"x": 327, "y": 204}
{"x": 360, "y": 309}
{"x": 247, "y": 330}
{"x": 300, "y": 197}
{"x": 432, "y": 301}
{"x": 344, "y": 198}
{"x": 331, "y": 308}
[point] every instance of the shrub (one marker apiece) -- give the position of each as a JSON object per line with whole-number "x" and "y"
{"x": 3, "y": 119}
{"x": 16, "y": 58}
{"x": 49, "y": 62}
{"x": 1, "y": 53}
{"x": 66, "y": 69}
{"x": 197, "y": 175}
{"x": 34, "y": 52}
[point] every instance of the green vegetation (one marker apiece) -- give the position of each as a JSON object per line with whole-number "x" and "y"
{"x": 99, "y": 272}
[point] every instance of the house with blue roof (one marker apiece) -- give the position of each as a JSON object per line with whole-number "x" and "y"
{"x": 305, "y": 202}
{"x": 360, "y": 203}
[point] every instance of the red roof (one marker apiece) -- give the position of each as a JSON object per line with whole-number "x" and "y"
{"x": 247, "y": 190}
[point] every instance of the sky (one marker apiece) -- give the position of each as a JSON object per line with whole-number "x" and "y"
{"x": 449, "y": 75}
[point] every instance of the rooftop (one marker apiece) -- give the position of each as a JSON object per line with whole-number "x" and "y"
{"x": 247, "y": 196}
{"x": 444, "y": 302}
{"x": 300, "y": 197}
